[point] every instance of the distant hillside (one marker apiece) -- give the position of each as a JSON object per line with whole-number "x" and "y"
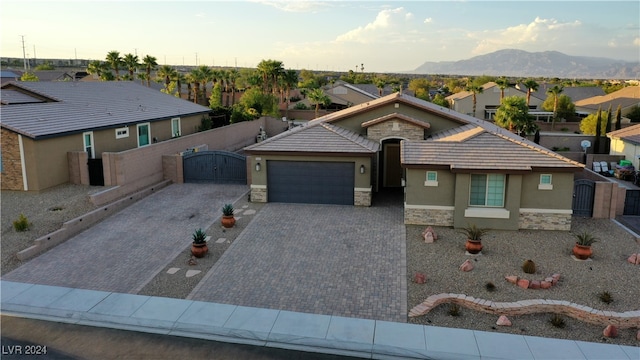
{"x": 540, "y": 64}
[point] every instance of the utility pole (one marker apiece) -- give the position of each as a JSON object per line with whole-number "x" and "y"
{"x": 24, "y": 54}
{"x": 35, "y": 58}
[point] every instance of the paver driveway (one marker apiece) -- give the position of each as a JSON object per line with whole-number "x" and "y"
{"x": 323, "y": 259}
{"x": 123, "y": 252}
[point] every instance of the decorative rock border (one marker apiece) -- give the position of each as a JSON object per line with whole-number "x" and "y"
{"x": 625, "y": 320}
{"x": 547, "y": 283}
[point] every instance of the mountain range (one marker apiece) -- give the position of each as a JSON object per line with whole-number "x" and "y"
{"x": 519, "y": 63}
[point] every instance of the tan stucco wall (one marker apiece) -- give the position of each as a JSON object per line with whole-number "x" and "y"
{"x": 560, "y": 197}
{"x": 47, "y": 161}
{"x": 626, "y": 149}
{"x": 416, "y": 193}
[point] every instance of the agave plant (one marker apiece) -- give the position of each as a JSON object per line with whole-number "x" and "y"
{"x": 585, "y": 239}
{"x": 199, "y": 237}
{"x": 473, "y": 232}
{"x": 227, "y": 210}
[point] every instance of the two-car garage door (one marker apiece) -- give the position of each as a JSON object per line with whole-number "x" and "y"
{"x": 310, "y": 182}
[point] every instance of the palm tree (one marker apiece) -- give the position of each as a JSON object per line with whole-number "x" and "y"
{"x": 317, "y": 97}
{"x": 502, "y": 83}
{"x": 233, "y": 77}
{"x": 206, "y": 75}
{"x": 380, "y": 83}
{"x": 114, "y": 59}
{"x": 474, "y": 89}
{"x": 179, "y": 78}
{"x": 270, "y": 70}
{"x": 165, "y": 72}
{"x": 197, "y": 77}
{"x": 290, "y": 80}
{"x": 150, "y": 64}
{"x": 555, "y": 91}
{"x": 531, "y": 86}
{"x": 131, "y": 62}
{"x": 97, "y": 67}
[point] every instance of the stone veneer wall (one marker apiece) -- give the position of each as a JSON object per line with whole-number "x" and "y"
{"x": 544, "y": 221}
{"x": 362, "y": 197}
{"x": 434, "y": 217}
{"x": 259, "y": 195}
{"x": 11, "y": 162}
{"x": 402, "y": 129}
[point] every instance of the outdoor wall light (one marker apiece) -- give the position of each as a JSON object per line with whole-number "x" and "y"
{"x": 362, "y": 169}
{"x": 257, "y": 166}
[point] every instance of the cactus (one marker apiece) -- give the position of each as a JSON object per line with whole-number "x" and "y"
{"x": 529, "y": 267}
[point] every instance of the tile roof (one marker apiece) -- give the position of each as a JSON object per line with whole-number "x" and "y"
{"x": 83, "y": 106}
{"x": 630, "y": 134}
{"x": 627, "y": 96}
{"x": 317, "y": 138}
{"x": 402, "y": 117}
{"x": 478, "y": 149}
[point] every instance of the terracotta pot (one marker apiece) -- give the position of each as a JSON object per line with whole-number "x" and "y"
{"x": 473, "y": 246}
{"x": 199, "y": 250}
{"x": 228, "y": 221}
{"x": 582, "y": 252}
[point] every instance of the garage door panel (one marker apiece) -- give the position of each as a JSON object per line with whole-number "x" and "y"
{"x": 310, "y": 182}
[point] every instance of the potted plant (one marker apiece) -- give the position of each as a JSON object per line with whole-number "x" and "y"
{"x": 227, "y": 216}
{"x": 582, "y": 248}
{"x": 474, "y": 238}
{"x": 199, "y": 246}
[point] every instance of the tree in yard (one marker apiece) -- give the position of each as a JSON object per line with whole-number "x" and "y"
{"x": 29, "y": 76}
{"x": 233, "y": 78}
{"x": 531, "y": 86}
{"x": 474, "y": 89}
{"x": 380, "y": 83}
{"x": 97, "y": 67}
{"x": 420, "y": 88}
{"x": 619, "y": 118}
{"x": 115, "y": 60}
{"x": 596, "y": 144}
{"x": 439, "y": 99}
{"x": 131, "y": 63}
{"x": 566, "y": 108}
{"x": 634, "y": 114}
{"x": 555, "y": 92}
{"x": 289, "y": 81}
{"x": 46, "y": 66}
{"x": 215, "y": 100}
{"x": 165, "y": 73}
{"x": 513, "y": 114}
{"x": 608, "y": 124}
{"x": 589, "y": 125}
{"x": 149, "y": 62}
{"x": 270, "y": 70}
{"x": 318, "y": 97}
{"x": 503, "y": 83}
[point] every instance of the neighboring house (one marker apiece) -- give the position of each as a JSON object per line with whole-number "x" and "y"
{"x": 455, "y": 169}
{"x": 42, "y": 122}
{"x": 6, "y": 76}
{"x": 626, "y": 142}
{"x": 576, "y": 93}
{"x": 488, "y": 101}
{"x": 627, "y": 98}
{"x": 342, "y": 96}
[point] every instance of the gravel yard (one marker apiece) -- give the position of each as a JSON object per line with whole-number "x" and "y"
{"x": 504, "y": 253}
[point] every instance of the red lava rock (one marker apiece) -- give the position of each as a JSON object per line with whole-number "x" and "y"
{"x": 466, "y": 266}
{"x": 523, "y": 283}
{"x": 634, "y": 259}
{"x": 610, "y": 331}
{"x": 503, "y": 321}
{"x": 534, "y": 284}
{"x": 512, "y": 279}
{"x": 549, "y": 279}
{"x": 420, "y": 278}
{"x": 556, "y": 277}
{"x": 429, "y": 235}
{"x": 545, "y": 284}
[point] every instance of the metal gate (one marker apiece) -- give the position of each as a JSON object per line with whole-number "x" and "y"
{"x": 96, "y": 172}
{"x": 215, "y": 166}
{"x": 632, "y": 202}
{"x": 583, "y": 191}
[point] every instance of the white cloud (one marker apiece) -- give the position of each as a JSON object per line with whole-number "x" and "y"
{"x": 428, "y": 20}
{"x": 295, "y": 6}
{"x": 636, "y": 41}
{"x": 388, "y": 22}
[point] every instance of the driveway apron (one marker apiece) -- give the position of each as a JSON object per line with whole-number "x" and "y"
{"x": 123, "y": 252}
{"x": 323, "y": 259}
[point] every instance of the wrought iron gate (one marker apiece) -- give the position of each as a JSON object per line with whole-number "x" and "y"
{"x": 583, "y": 192}
{"x": 215, "y": 166}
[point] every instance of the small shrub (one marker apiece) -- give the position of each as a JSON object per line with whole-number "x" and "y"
{"x": 454, "y": 310}
{"x": 490, "y": 286}
{"x": 557, "y": 321}
{"x": 529, "y": 267}
{"x": 227, "y": 210}
{"x": 606, "y": 297}
{"x": 22, "y": 224}
{"x": 585, "y": 239}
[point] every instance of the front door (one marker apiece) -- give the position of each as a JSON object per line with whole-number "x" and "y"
{"x": 392, "y": 172}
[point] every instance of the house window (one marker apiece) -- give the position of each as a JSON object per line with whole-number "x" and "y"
{"x": 487, "y": 190}
{"x": 545, "y": 182}
{"x": 175, "y": 127}
{"x": 122, "y": 132}
{"x": 87, "y": 139}
{"x": 144, "y": 134}
{"x": 431, "y": 179}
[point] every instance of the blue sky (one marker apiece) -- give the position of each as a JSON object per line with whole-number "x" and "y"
{"x": 385, "y": 36}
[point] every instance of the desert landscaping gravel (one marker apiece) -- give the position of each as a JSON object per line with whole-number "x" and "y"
{"x": 503, "y": 254}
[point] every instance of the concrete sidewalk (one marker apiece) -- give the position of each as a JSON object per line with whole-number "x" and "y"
{"x": 286, "y": 329}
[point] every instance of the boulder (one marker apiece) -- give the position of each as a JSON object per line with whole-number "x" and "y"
{"x": 512, "y": 279}
{"x": 610, "y": 331}
{"x": 466, "y": 266}
{"x": 420, "y": 278}
{"x": 503, "y": 321}
{"x": 523, "y": 283}
{"x": 634, "y": 259}
{"x": 429, "y": 235}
